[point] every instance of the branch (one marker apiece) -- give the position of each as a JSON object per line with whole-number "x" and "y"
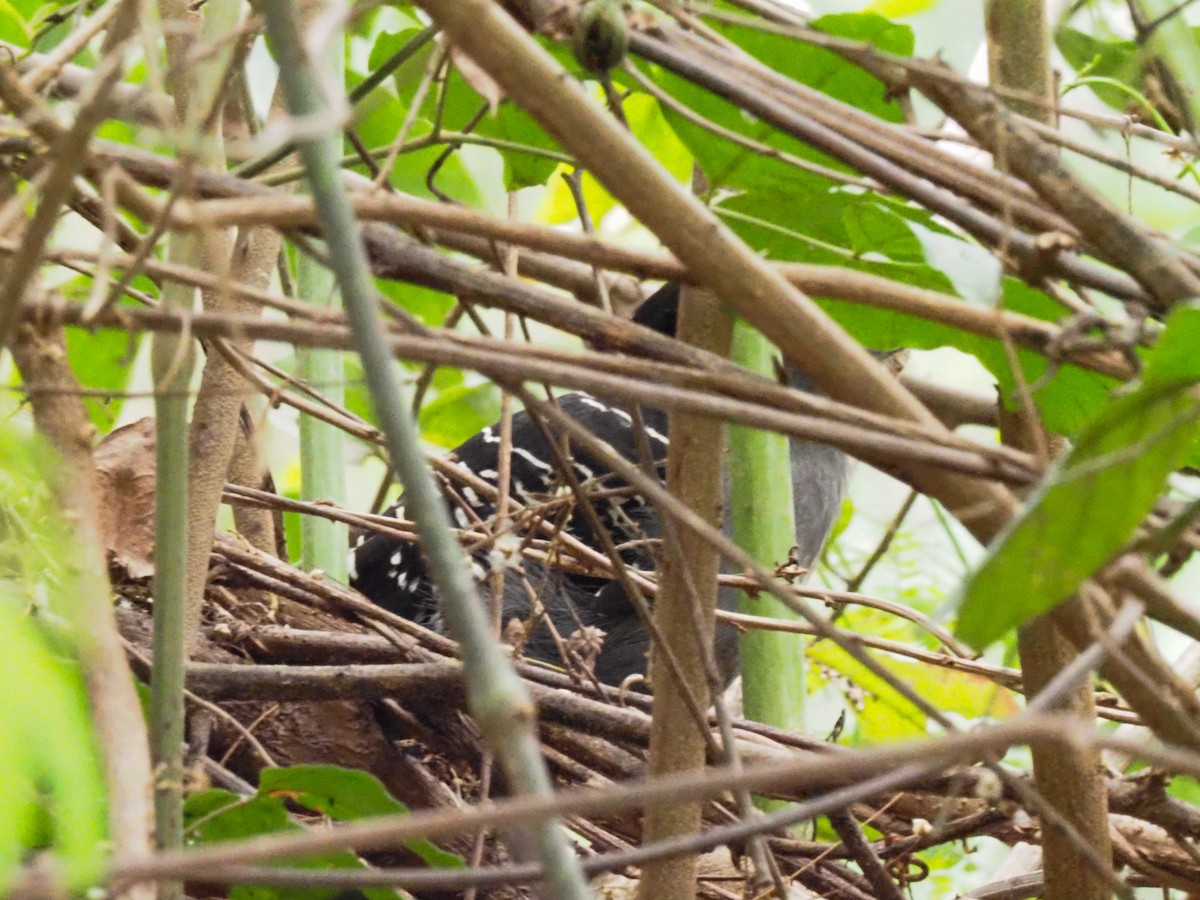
{"x": 798, "y": 774}
{"x": 499, "y": 702}
{"x": 686, "y": 605}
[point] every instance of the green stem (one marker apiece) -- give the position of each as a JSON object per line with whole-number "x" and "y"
{"x": 323, "y": 542}
{"x": 198, "y": 98}
{"x": 172, "y": 362}
{"x": 764, "y": 525}
{"x": 498, "y": 699}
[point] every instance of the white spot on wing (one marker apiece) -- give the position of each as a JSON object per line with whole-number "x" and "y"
{"x": 620, "y": 414}
{"x": 533, "y": 460}
{"x": 589, "y": 400}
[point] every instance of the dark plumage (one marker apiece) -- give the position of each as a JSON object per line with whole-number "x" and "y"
{"x": 393, "y": 573}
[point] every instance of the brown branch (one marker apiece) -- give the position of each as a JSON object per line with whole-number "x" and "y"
{"x": 1159, "y": 267}
{"x": 796, "y": 774}
{"x": 736, "y": 274}
{"x": 1072, "y": 781}
{"x": 67, "y": 154}
{"x": 1167, "y": 706}
{"x": 873, "y": 438}
{"x": 864, "y": 854}
{"x": 411, "y": 212}
{"x": 847, "y": 769}
{"x": 686, "y": 604}
{"x": 308, "y": 684}
{"x": 130, "y": 102}
{"x": 993, "y": 232}
{"x": 823, "y": 281}
{"x": 216, "y": 431}
{"x": 989, "y": 189}
{"x": 396, "y": 256}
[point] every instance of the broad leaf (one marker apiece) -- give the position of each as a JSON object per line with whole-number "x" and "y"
{"x": 858, "y": 231}
{"x": 1115, "y": 59}
{"x": 344, "y": 795}
{"x": 459, "y": 412}
{"x": 729, "y": 165}
{"x": 1174, "y": 359}
{"x": 13, "y": 27}
{"x": 103, "y": 362}
{"x": 1088, "y": 508}
{"x": 649, "y": 126}
{"x": 217, "y": 816}
{"x": 882, "y": 714}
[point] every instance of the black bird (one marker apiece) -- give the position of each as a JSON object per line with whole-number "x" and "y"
{"x": 582, "y": 608}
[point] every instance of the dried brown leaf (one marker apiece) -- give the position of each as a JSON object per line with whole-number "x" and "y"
{"x": 125, "y": 465}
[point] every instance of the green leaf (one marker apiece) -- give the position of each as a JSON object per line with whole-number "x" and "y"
{"x": 869, "y": 234}
{"x": 882, "y": 714}
{"x": 876, "y": 232}
{"x": 454, "y": 105}
{"x": 1068, "y": 397}
{"x": 379, "y": 118}
{"x": 428, "y": 305}
{"x": 389, "y": 43}
{"x": 459, "y": 412}
{"x": 648, "y": 124}
{"x": 13, "y": 25}
{"x": 36, "y": 11}
{"x": 728, "y": 165}
{"x": 898, "y": 9}
{"x": 103, "y": 362}
{"x": 1087, "y": 509}
{"x": 339, "y": 793}
{"x": 344, "y": 795}
{"x": 1115, "y": 59}
{"x": 48, "y": 800}
{"x": 1174, "y": 359}
{"x": 521, "y": 168}
{"x": 216, "y": 816}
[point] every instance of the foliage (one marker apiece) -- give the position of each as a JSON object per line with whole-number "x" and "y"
{"x": 343, "y": 795}
{"x": 1090, "y": 505}
{"x": 49, "y": 801}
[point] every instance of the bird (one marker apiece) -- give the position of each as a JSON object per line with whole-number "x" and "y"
{"x": 587, "y": 617}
